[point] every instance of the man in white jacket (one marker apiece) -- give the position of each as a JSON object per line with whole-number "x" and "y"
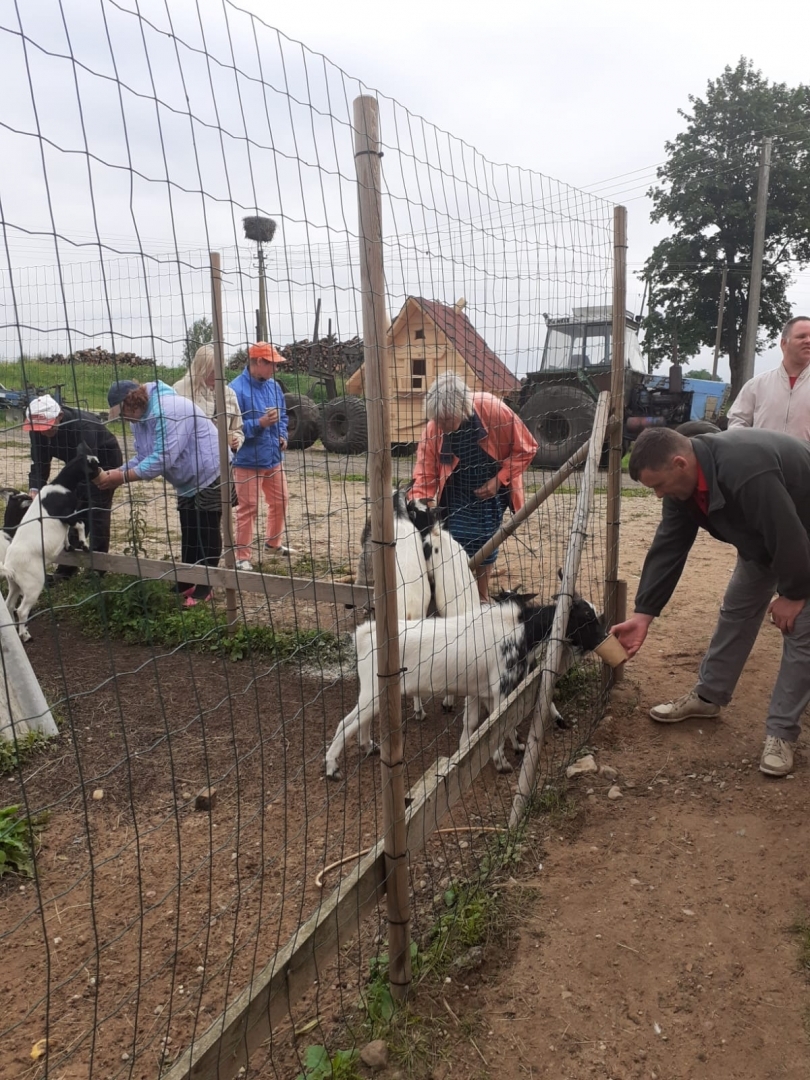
{"x": 777, "y": 400}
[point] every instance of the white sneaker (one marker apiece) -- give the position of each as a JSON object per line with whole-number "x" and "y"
{"x": 684, "y": 708}
{"x": 777, "y": 757}
{"x": 244, "y": 564}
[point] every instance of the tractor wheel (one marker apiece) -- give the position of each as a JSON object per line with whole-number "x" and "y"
{"x": 344, "y": 426}
{"x": 560, "y": 418}
{"x": 303, "y": 421}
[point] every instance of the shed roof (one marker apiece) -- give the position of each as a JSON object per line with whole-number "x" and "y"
{"x": 490, "y": 370}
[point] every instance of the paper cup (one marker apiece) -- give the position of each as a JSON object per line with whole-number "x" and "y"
{"x": 611, "y": 651}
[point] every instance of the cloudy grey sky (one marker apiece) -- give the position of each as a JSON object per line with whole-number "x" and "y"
{"x": 585, "y": 93}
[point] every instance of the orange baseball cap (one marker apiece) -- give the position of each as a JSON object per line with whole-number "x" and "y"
{"x": 262, "y": 350}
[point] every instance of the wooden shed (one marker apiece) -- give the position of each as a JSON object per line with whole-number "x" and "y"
{"x": 428, "y": 338}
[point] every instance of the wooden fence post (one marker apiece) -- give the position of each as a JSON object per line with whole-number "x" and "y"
{"x": 375, "y": 354}
{"x": 552, "y": 660}
{"x": 617, "y": 375}
{"x": 231, "y": 605}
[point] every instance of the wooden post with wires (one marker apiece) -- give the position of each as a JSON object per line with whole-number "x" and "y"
{"x": 721, "y": 308}
{"x": 375, "y": 355}
{"x": 757, "y": 254}
{"x": 617, "y": 375}
{"x": 231, "y": 604}
{"x": 552, "y": 662}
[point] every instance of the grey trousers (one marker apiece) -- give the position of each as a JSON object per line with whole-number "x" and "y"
{"x": 748, "y": 595}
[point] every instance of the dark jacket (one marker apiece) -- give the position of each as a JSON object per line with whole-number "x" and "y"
{"x": 759, "y": 501}
{"x": 75, "y": 427}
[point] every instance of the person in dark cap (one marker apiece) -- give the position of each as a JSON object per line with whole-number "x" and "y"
{"x": 57, "y": 431}
{"x": 174, "y": 439}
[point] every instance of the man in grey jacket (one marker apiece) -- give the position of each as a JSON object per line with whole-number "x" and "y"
{"x": 750, "y": 489}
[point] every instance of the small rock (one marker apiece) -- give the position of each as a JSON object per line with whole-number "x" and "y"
{"x": 608, "y": 772}
{"x": 615, "y": 792}
{"x": 57, "y": 941}
{"x": 125, "y": 1056}
{"x": 186, "y": 796}
{"x": 472, "y": 958}
{"x": 375, "y": 1054}
{"x": 634, "y": 881}
{"x": 687, "y": 911}
{"x": 566, "y": 994}
{"x": 206, "y": 800}
{"x": 583, "y": 765}
{"x": 98, "y": 794}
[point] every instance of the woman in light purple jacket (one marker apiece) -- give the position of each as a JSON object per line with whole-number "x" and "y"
{"x": 174, "y": 439}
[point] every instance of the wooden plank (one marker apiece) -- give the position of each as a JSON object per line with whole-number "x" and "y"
{"x": 273, "y": 586}
{"x": 268, "y": 1001}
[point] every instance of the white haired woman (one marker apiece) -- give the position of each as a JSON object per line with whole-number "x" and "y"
{"x": 470, "y": 461}
{"x": 198, "y": 386}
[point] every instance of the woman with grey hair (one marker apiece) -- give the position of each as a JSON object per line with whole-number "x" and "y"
{"x": 470, "y": 461}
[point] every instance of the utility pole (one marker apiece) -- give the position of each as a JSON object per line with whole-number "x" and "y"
{"x": 755, "y": 287}
{"x": 721, "y": 307}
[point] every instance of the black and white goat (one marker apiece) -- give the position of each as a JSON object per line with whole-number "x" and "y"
{"x": 48, "y": 527}
{"x": 17, "y": 502}
{"x": 481, "y": 655}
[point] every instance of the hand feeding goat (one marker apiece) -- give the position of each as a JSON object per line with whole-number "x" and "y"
{"x": 48, "y": 527}
{"x": 481, "y": 655}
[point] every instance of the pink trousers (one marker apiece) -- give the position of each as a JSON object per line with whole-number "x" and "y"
{"x": 250, "y": 484}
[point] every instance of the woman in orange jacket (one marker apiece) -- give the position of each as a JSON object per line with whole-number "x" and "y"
{"x": 470, "y": 461}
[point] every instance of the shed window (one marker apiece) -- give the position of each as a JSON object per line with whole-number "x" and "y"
{"x": 420, "y": 367}
{"x": 419, "y": 335}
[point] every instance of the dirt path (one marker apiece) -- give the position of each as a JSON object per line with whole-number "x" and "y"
{"x": 661, "y": 945}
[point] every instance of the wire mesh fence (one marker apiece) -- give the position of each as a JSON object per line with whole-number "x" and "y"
{"x": 179, "y": 834}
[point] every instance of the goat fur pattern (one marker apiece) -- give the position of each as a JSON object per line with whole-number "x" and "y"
{"x": 49, "y": 526}
{"x": 481, "y": 655}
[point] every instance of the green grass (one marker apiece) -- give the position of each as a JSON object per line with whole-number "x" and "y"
{"x": 15, "y": 753}
{"x": 85, "y": 385}
{"x": 318, "y": 1065}
{"x": 146, "y": 612}
{"x": 17, "y": 838}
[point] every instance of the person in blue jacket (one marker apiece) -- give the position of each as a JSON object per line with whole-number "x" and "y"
{"x": 258, "y": 465}
{"x": 174, "y": 439}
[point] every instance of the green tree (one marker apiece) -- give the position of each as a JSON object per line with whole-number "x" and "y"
{"x": 199, "y": 333}
{"x": 708, "y": 193}
{"x": 700, "y": 373}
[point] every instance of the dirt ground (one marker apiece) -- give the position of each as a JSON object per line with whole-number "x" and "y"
{"x": 657, "y": 943}
{"x": 660, "y": 945}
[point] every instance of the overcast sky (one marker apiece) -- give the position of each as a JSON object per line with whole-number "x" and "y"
{"x": 585, "y": 93}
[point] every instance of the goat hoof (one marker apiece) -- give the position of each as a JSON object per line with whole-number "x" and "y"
{"x": 333, "y": 772}
{"x": 421, "y": 715}
{"x": 502, "y": 765}
{"x": 448, "y": 708}
{"x": 372, "y": 748}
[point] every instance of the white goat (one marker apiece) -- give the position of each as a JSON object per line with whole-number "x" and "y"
{"x": 481, "y": 655}
{"x": 48, "y": 527}
{"x": 413, "y": 583}
{"x": 455, "y": 590}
